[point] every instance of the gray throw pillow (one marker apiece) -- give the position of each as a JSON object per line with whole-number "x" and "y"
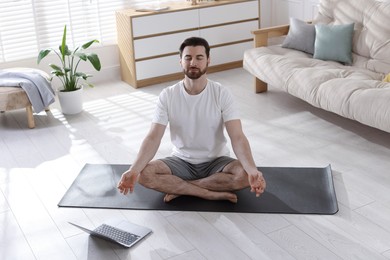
{"x": 334, "y": 42}
{"x": 301, "y": 36}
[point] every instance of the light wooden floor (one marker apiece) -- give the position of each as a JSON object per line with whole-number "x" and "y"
{"x": 37, "y": 165}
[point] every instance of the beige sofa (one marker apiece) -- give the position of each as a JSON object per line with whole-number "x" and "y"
{"x": 357, "y": 90}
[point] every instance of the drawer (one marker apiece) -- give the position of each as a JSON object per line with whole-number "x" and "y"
{"x": 166, "y": 22}
{"x": 158, "y": 67}
{"x": 229, "y": 53}
{"x": 229, "y": 33}
{"x": 149, "y": 47}
{"x": 228, "y": 13}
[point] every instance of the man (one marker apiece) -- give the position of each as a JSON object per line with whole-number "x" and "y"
{"x": 197, "y": 110}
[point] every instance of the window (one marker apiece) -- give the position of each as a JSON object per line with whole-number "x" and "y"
{"x": 27, "y": 26}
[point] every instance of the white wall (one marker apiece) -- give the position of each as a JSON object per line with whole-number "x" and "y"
{"x": 278, "y": 12}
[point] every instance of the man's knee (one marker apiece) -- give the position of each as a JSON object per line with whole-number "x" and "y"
{"x": 240, "y": 177}
{"x": 145, "y": 178}
{"x": 235, "y": 168}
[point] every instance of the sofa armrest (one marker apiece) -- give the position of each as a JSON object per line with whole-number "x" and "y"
{"x": 261, "y": 36}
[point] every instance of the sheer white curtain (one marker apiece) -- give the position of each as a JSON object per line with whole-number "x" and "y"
{"x": 26, "y": 26}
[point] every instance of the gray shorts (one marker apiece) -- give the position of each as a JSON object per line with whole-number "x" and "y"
{"x": 189, "y": 171}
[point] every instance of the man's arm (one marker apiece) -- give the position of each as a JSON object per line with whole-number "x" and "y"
{"x": 147, "y": 151}
{"x": 243, "y": 152}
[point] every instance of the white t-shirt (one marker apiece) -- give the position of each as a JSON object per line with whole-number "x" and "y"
{"x": 196, "y": 121}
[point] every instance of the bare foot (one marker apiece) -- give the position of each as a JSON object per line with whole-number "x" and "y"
{"x": 213, "y": 196}
{"x": 227, "y": 196}
{"x": 169, "y": 197}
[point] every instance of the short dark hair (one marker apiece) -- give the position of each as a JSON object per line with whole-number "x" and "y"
{"x": 195, "y": 41}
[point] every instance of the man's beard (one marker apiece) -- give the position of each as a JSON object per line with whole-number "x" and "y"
{"x": 195, "y": 74}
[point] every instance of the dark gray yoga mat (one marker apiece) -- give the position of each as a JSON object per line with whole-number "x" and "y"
{"x": 289, "y": 190}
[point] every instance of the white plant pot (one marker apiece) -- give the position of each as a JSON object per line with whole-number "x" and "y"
{"x": 71, "y": 102}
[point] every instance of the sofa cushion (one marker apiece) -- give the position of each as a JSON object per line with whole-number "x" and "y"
{"x": 334, "y": 42}
{"x": 387, "y": 78}
{"x": 367, "y": 41}
{"x": 301, "y": 36}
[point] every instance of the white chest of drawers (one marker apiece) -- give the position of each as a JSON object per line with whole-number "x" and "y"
{"x": 148, "y": 42}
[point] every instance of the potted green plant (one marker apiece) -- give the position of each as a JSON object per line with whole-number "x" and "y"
{"x": 68, "y": 73}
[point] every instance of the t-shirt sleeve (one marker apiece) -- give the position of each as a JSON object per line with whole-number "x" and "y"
{"x": 161, "y": 110}
{"x": 228, "y": 106}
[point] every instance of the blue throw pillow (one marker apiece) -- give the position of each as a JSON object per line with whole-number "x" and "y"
{"x": 334, "y": 42}
{"x": 301, "y": 36}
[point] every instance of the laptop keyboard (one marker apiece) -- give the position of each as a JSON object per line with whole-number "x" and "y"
{"x": 116, "y": 234}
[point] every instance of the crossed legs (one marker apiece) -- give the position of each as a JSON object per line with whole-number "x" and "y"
{"x": 219, "y": 186}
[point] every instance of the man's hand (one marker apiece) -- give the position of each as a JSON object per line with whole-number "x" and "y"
{"x": 257, "y": 182}
{"x": 127, "y": 182}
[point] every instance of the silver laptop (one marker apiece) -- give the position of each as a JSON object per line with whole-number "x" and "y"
{"x": 122, "y": 232}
